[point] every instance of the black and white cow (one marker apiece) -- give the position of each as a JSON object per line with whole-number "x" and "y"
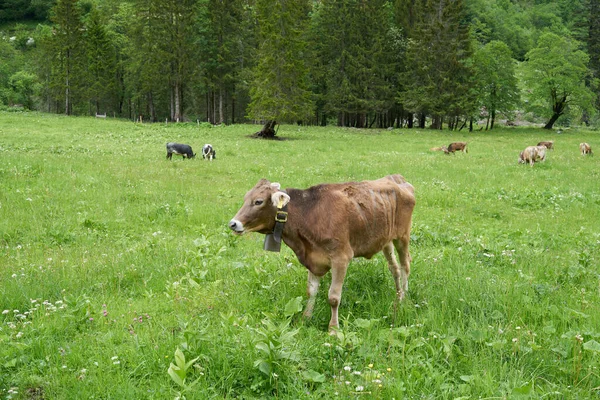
{"x": 208, "y": 152}
{"x": 183, "y": 150}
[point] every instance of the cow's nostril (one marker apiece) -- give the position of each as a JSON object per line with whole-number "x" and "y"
{"x": 232, "y": 224}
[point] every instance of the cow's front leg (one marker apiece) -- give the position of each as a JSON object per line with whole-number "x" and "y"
{"x": 338, "y": 273}
{"x": 312, "y": 288}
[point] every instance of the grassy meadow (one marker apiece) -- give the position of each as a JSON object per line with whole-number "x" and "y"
{"x": 119, "y": 278}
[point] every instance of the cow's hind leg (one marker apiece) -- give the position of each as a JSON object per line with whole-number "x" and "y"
{"x": 312, "y": 288}
{"x": 388, "y": 252}
{"x": 401, "y": 246}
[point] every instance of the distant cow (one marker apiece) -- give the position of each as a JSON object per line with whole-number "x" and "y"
{"x": 585, "y": 149}
{"x": 456, "y": 146}
{"x": 208, "y": 152}
{"x": 549, "y": 144}
{"x": 531, "y": 154}
{"x": 327, "y": 225}
{"x": 183, "y": 150}
{"x": 443, "y": 148}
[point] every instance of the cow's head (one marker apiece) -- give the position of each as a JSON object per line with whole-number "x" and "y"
{"x": 260, "y": 205}
{"x": 521, "y": 157}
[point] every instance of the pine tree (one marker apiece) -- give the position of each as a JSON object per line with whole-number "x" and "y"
{"x": 279, "y": 88}
{"x": 66, "y": 45}
{"x": 437, "y": 78}
{"x": 359, "y": 59}
{"x": 224, "y": 41}
{"x": 101, "y": 62}
{"x": 593, "y": 45}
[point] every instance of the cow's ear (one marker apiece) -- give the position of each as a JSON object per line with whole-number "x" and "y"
{"x": 280, "y": 197}
{"x": 276, "y": 185}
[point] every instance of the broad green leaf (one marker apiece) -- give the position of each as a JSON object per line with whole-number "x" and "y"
{"x": 592, "y": 345}
{"x": 293, "y": 306}
{"x": 313, "y": 376}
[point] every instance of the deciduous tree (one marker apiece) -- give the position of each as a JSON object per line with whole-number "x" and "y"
{"x": 555, "y": 74}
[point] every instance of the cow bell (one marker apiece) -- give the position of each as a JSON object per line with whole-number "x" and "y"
{"x": 271, "y": 244}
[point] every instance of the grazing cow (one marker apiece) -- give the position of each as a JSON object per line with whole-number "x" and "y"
{"x": 327, "y": 225}
{"x": 531, "y": 154}
{"x": 443, "y": 148}
{"x": 183, "y": 150}
{"x": 456, "y": 146}
{"x": 549, "y": 144}
{"x": 585, "y": 148}
{"x": 208, "y": 152}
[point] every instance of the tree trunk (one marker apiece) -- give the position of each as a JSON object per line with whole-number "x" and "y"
{"x": 422, "y": 119}
{"x": 267, "y": 131}
{"x": 493, "y": 119}
{"x": 552, "y": 120}
{"x": 221, "y": 116}
{"x": 178, "y": 116}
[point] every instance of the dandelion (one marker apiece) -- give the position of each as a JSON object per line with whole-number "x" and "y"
{"x": 370, "y": 365}
{"x": 360, "y": 388}
{"x": 389, "y": 370}
{"x": 347, "y": 368}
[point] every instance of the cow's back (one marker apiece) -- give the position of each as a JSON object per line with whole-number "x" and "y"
{"x": 363, "y": 215}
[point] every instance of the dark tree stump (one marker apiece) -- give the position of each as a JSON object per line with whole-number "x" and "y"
{"x": 267, "y": 131}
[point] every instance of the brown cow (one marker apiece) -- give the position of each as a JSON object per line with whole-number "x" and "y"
{"x": 328, "y": 225}
{"x": 549, "y": 144}
{"x": 456, "y": 146}
{"x": 585, "y": 148}
{"x": 531, "y": 154}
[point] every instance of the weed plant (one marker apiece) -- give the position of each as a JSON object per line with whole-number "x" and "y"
{"x": 119, "y": 278}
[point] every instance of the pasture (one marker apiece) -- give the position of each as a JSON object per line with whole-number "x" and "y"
{"x": 116, "y": 263}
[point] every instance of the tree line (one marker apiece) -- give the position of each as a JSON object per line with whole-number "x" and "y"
{"x": 358, "y": 63}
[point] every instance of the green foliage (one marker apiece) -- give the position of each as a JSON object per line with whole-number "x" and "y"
{"x": 555, "y": 73}
{"x": 279, "y": 88}
{"x": 495, "y": 79}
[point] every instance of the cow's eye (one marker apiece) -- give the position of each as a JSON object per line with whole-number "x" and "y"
{"x": 258, "y": 202}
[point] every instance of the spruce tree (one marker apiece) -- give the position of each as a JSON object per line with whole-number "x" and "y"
{"x": 101, "y": 63}
{"x": 279, "y": 89}
{"x": 66, "y": 45}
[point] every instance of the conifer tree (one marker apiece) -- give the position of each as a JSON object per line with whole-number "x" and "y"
{"x": 65, "y": 46}
{"x": 437, "y": 79}
{"x": 101, "y": 62}
{"x": 279, "y": 90}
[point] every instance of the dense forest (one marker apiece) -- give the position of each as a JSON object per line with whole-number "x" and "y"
{"x": 358, "y": 63}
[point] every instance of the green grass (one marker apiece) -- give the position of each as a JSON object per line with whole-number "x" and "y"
{"x": 115, "y": 258}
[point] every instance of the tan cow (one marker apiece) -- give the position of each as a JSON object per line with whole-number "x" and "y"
{"x": 327, "y": 225}
{"x": 456, "y": 146}
{"x": 443, "y": 148}
{"x": 531, "y": 154}
{"x": 549, "y": 144}
{"x": 585, "y": 148}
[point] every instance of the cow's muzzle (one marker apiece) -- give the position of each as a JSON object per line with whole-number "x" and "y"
{"x": 236, "y": 226}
